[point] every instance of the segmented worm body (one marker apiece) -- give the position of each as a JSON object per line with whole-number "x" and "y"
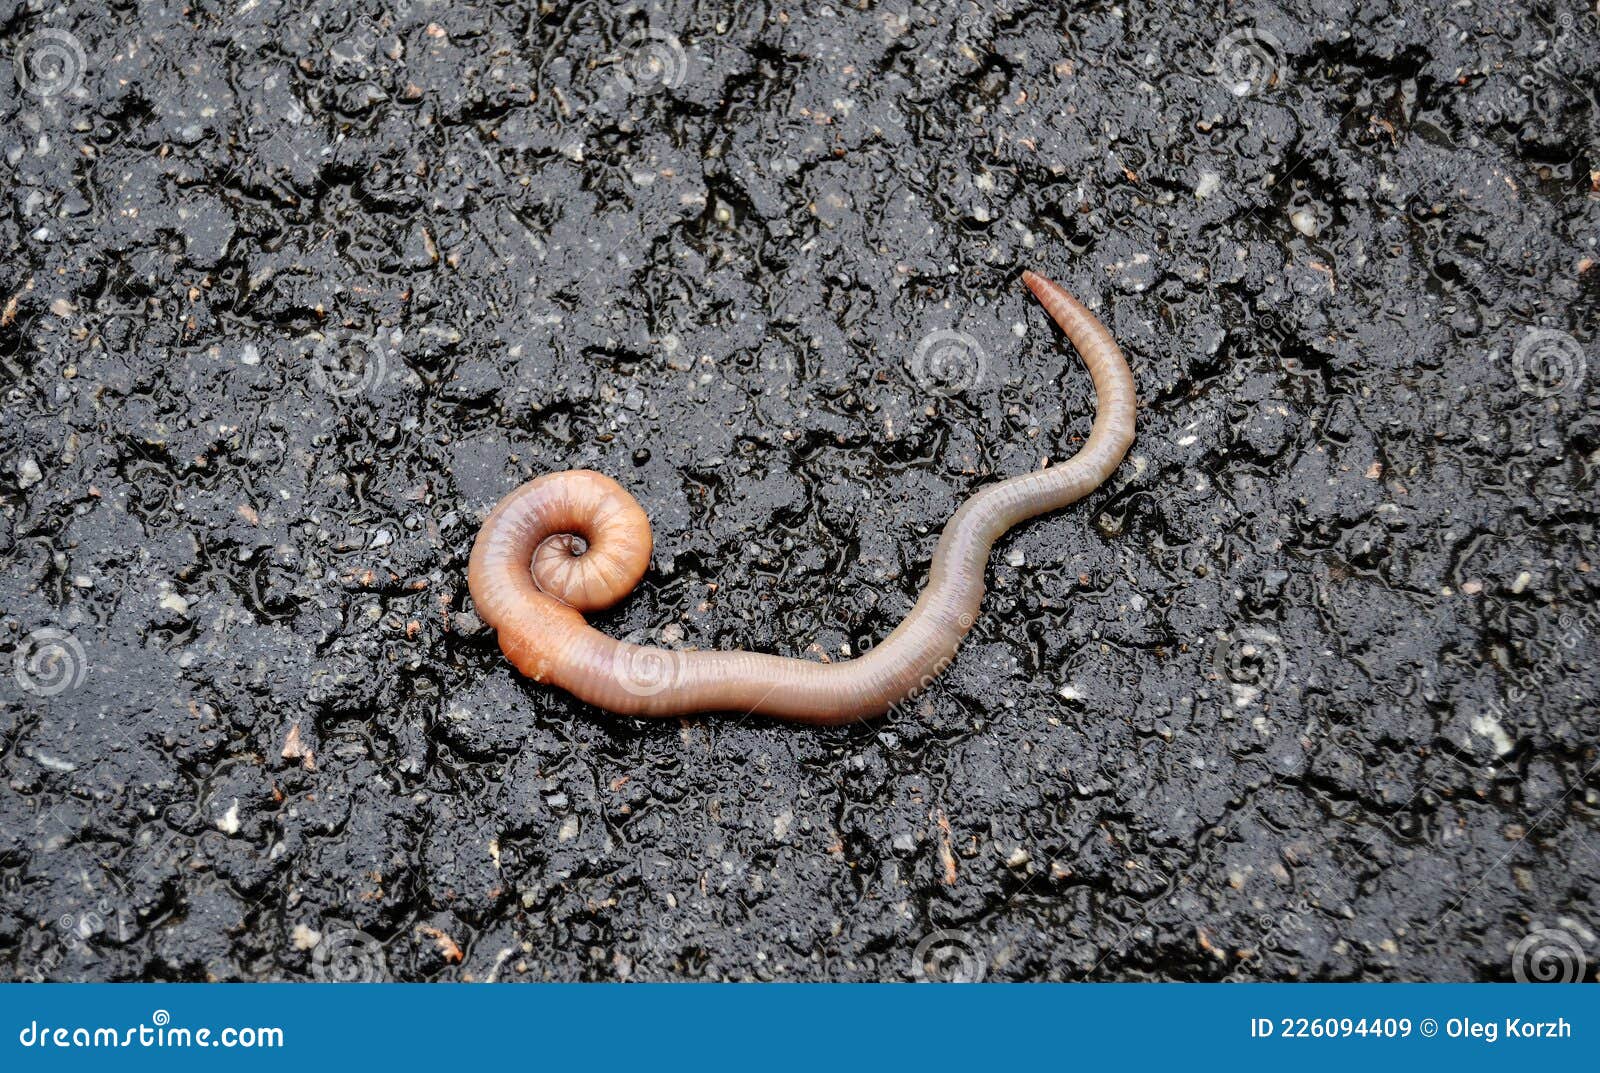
{"x": 572, "y": 542}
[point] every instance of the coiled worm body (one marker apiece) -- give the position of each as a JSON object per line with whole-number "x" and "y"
{"x": 576, "y": 541}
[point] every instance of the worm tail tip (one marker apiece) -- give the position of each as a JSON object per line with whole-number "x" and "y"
{"x": 1046, "y": 290}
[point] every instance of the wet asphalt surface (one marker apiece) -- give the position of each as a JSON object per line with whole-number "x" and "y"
{"x": 293, "y": 293}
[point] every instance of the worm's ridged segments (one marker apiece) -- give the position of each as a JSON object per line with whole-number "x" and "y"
{"x": 571, "y": 542}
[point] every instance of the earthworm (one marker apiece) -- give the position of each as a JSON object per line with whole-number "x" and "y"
{"x": 576, "y": 541}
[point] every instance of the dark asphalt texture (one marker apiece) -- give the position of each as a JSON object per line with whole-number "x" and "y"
{"x": 292, "y": 293}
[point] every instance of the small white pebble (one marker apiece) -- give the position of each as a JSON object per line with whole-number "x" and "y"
{"x": 1209, "y": 183}
{"x": 1487, "y": 726}
{"x": 1305, "y": 222}
{"x": 28, "y": 473}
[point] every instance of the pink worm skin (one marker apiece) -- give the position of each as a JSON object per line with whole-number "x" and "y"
{"x": 532, "y": 581}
